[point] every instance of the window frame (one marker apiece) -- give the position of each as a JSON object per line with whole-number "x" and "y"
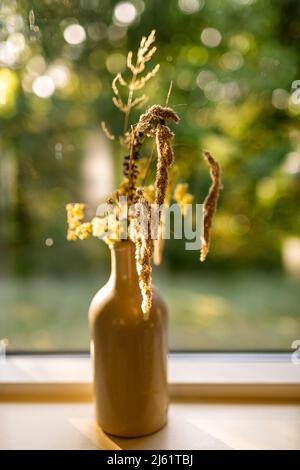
{"x": 205, "y": 376}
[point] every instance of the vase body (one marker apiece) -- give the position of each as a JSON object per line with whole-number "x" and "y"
{"x": 129, "y": 353}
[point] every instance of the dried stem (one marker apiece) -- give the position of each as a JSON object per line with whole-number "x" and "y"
{"x": 129, "y": 102}
{"x": 149, "y": 164}
{"x": 169, "y": 92}
{"x": 130, "y": 179}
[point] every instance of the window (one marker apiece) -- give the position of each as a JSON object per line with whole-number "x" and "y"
{"x": 235, "y": 73}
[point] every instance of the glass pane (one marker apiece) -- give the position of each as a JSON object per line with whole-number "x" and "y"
{"x": 235, "y": 71}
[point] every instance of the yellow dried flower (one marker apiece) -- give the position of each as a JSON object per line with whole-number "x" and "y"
{"x": 123, "y": 186}
{"x": 188, "y": 199}
{"x": 71, "y": 235}
{"x": 75, "y": 210}
{"x": 149, "y": 193}
{"x": 99, "y": 226}
{"x": 83, "y": 231}
{"x": 182, "y": 197}
{"x": 75, "y": 215}
{"x": 113, "y": 227}
{"x": 180, "y": 191}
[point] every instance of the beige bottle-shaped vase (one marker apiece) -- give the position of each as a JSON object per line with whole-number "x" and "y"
{"x": 129, "y": 353}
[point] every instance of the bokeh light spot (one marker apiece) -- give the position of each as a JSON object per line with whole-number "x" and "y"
{"x": 204, "y": 77}
{"x": 124, "y": 13}
{"x": 60, "y": 75}
{"x": 214, "y": 91}
{"x": 74, "y": 34}
{"x": 36, "y": 65}
{"x": 266, "y": 189}
{"x": 291, "y": 165}
{"x": 43, "y": 86}
{"x": 211, "y": 37}
{"x": 116, "y": 63}
{"x": 280, "y": 98}
{"x": 190, "y": 6}
{"x": 232, "y": 60}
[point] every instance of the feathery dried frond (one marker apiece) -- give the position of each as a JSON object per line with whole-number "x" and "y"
{"x": 144, "y": 250}
{"x": 117, "y": 99}
{"x": 106, "y": 131}
{"x": 144, "y": 54}
{"x": 119, "y": 104}
{"x": 141, "y": 82}
{"x": 118, "y": 79}
{"x": 125, "y": 139}
{"x": 129, "y": 61}
{"x": 138, "y": 102}
{"x": 210, "y": 202}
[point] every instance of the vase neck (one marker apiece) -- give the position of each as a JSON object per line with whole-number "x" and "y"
{"x": 123, "y": 265}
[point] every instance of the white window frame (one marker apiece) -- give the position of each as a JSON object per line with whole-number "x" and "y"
{"x": 207, "y": 376}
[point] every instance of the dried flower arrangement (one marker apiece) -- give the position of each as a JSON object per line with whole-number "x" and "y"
{"x": 151, "y": 124}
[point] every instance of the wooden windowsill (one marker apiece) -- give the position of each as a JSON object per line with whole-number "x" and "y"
{"x": 217, "y": 402}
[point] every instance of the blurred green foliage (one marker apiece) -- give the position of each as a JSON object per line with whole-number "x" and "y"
{"x": 232, "y": 62}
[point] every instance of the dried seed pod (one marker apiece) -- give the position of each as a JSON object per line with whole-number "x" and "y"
{"x": 144, "y": 250}
{"x": 152, "y": 124}
{"x": 210, "y": 202}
